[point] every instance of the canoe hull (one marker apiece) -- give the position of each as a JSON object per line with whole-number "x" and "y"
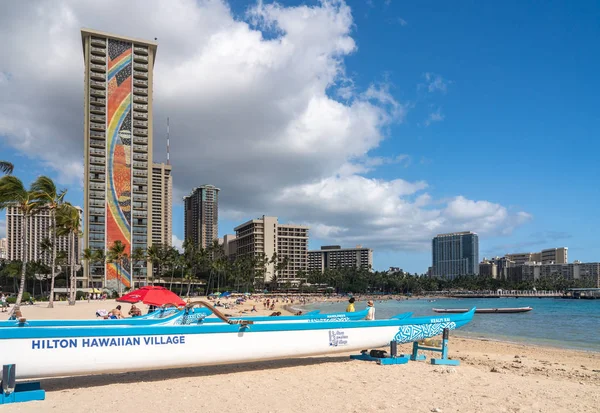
{"x": 55, "y": 351}
{"x": 484, "y": 310}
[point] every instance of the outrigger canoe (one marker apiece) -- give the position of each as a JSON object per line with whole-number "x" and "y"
{"x": 65, "y": 351}
{"x": 505, "y": 310}
{"x": 191, "y": 316}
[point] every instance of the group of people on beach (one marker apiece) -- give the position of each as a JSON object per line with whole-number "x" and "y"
{"x": 370, "y": 306}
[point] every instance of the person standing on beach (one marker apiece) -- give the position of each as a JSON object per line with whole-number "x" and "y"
{"x": 350, "y": 308}
{"x": 371, "y": 312}
{"x": 3, "y": 303}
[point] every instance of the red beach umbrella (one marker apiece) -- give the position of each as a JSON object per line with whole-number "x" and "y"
{"x": 152, "y": 296}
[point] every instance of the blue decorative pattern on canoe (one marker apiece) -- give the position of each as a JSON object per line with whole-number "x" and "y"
{"x": 189, "y": 319}
{"x": 415, "y": 332}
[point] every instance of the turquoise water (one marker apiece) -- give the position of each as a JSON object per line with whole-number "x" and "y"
{"x": 555, "y": 322}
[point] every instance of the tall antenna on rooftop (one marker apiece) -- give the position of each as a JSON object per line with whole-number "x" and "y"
{"x": 168, "y": 143}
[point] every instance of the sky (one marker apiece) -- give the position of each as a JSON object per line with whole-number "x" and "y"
{"x": 377, "y": 123}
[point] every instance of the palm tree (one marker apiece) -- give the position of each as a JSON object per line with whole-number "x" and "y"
{"x": 100, "y": 258}
{"x": 172, "y": 259}
{"x": 137, "y": 255}
{"x": 13, "y": 193}
{"x": 116, "y": 254}
{"x": 47, "y": 195}
{"x": 6, "y": 167}
{"x": 155, "y": 254}
{"x": 88, "y": 256}
{"x": 68, "y": 223}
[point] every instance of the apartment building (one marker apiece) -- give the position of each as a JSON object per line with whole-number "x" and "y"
{"x": 455, "y": 254}
{"x": 547, "y": 256}
{"x": 201, "y": 215}
{"x": 117, "y": 149}
{"x": 38, "y": 228}
{"x": 265, "y": 235}
{"x": 3, "y": 249}
{"x": 532, "y": 271}
{"x": 334, "y": 256}
{"x": 162, "y": 204}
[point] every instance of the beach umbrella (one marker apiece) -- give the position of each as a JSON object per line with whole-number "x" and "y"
{"x": 152, "y": 296}
{"x": 225, "y": 294}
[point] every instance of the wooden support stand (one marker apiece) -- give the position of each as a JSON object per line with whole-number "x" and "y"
{"x": 11, "y": 392}
{"x": 394, "y": 358}
{"x": 444, "y": 360}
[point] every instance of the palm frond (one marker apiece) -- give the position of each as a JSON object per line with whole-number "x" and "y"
{"x": 6, "y": 167}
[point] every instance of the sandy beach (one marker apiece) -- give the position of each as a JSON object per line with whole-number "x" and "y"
{"x": 492, "y": 377}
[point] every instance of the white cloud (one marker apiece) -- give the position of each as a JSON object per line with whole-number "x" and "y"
{"x": 402, "y": 22}
{"x": 436, "y": 83}
{"x": 250, "y": 106}
{"x": 177, "y": 243}
{"x": 436, "y": 116}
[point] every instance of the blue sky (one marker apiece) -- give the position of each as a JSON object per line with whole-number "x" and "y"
{"x": 500, "y": 104}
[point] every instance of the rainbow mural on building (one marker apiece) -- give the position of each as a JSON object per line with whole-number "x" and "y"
{"x": 118, "y": 194}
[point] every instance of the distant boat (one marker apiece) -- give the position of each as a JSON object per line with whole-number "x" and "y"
{"x": 484, "y": 310}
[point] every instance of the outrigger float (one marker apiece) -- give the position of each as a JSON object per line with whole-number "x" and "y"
{"x": 49, "y": 351}
{"x": 505, "y": 310}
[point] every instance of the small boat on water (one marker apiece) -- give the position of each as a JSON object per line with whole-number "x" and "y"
{"x": 506, "y": 310}
{"x": 79, "y": 350}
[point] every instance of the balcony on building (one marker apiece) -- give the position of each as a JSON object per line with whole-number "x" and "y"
{"x": 97, "y": 85}
{"x": 143, "y": 50}
{"x": 141, "y": 66}
{"x": 140, "y": 116}
{"x": 96, "y": 203}
{"x": 98, "y": 92}
{"x": 97, "y": 68}
{"x": 140, "y": 132}
{"x": 96, "y": 160}
{"x": 97, "y": 195}
{"x": 97, "y": 101}
{"x": 140, "y": 206}
{"x": 140, "y": 124}
{"x": 98, "y": 42}
{"x": 140, "y": 165}
{"x": 140, "y": 156}
{"x": 96, "y": 187}
{"x": 140, "y": 173}
{"x": 98, "y": 51}
{"x": 140, "y": 197}
{"x": 101, "y": 110}
{"x": 141, "y": 108}
{"x": 97, "y": 169}
{"x": 140, "y": 139}
{"x": 140, "y": 148}
{"x": 96, "y": 177}
{"x": 99, "y": 60}
{"x": 139, "y": 58}
{"x": 96, "y": 211}
{"x": 97, "y": 126}
{"x": 140, "y": 99}
{"x": 97, "y": 135}
{"x": 141, "y": 214}
{"x": 137, "y": 74}
{"x": 98, "y": 118}
{"x": 140, "y": 91}
{"x": 97, "y": 152}
{"x": 97, "y": 143}
{"x": 140, "y": 83}
{"x": 101, "y": 77}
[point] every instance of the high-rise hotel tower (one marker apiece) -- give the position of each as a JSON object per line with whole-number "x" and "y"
{"x": 118, "y": 152}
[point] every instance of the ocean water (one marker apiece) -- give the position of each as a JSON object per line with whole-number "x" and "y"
{"x": 553, "y": 321}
